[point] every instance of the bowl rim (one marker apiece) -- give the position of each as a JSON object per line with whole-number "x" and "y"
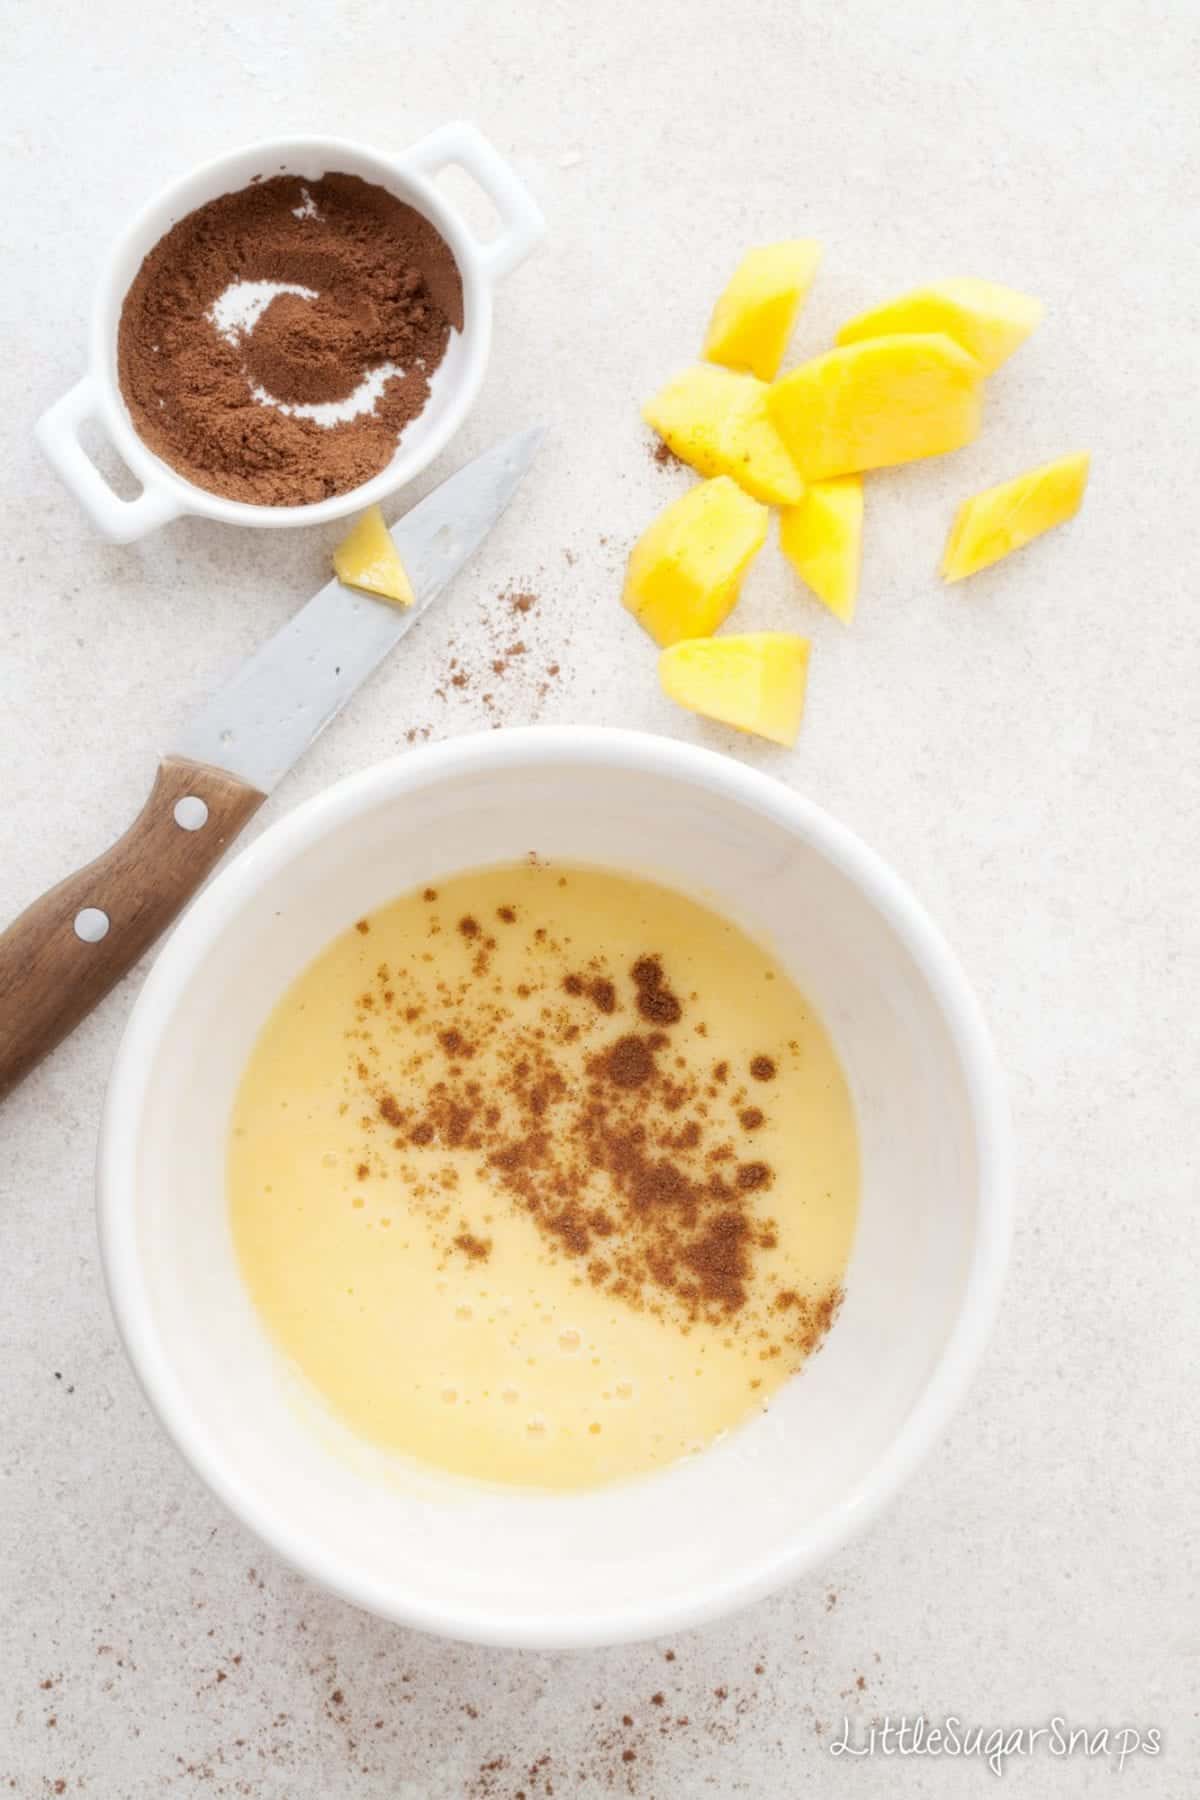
{"x": 511, "y": 749}
{"x": 393, "y": 170}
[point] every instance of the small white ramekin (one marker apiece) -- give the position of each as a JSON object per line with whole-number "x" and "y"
{"x": 775, "y": 1496}
{"x": 410, "y": 175}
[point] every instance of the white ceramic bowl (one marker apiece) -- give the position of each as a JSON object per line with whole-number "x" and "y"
{"x": 409, "y": 175}
{"x": 652, "y": 1555}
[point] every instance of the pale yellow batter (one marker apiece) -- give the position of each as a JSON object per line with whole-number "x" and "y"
{"x": 548, "y": 1177}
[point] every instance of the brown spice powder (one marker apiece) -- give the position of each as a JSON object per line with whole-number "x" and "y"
{"x": 388, "y": 291}
{"x": 627, "y": 1168}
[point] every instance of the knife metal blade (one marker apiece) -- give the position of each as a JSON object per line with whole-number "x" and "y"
{"x": 267, "y": 715}
{"x": 71, "y": 946}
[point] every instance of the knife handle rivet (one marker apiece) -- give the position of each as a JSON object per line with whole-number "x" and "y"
{"x": 91, "y": 924}
{"x": 191, "y": 813}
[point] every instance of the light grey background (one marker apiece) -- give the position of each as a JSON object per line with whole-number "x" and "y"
{"x": 1023, "y": 748}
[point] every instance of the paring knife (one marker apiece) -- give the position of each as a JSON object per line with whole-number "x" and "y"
{"x": 64, "y": 953}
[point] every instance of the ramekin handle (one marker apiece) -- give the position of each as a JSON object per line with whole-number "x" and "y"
{"x": 120, "y": 521}
{"x": 521, "y": 220}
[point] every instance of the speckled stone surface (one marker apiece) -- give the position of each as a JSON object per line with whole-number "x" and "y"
{"x": 1023, "y": 748}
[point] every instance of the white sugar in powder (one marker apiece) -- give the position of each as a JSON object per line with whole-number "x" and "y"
{"x": 236, "y": 311}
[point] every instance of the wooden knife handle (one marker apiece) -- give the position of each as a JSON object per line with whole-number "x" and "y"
{"x": 64, "y": 953}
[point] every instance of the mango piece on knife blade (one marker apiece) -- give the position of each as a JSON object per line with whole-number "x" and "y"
{"x": 992, "y": 524}
{"x": 885, "y": 400}
{"x": 753, "y": 317}
{"x": 755, "y": 681}
{"x": 686, "y": 569}
{"x": 368, "y": 559}
{"x": 718, "y": 422}
{"x": 987, "y": 320}
{"x": 822, "y": 539}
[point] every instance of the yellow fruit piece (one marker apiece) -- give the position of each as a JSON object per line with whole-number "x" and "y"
{"x": 755, "y": 681}
{"x": 368, "y": 559}
{"x": 687, "y": 567}
{"x": 753, "y": 318}
{"x": 1002, "y": 519}
{"x": 886, "y": 400}
{"x": 987, "y": 320}
{"x": 822, "y": 539}
{"x": 718, "y": 422}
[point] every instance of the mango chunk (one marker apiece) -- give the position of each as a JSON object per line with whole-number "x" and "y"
{"x": 755, "y": 681}
{"x": 990, "y": 525}
{"x": 367, "y": 558}
{"x": 987, "y": 320}
{"x": 753, "y": 317}
{"x": 686, "y": 569}
{"x": 885, "y": 400}
{"x": 718, "y": 422}
{"x": 822, "y": 539}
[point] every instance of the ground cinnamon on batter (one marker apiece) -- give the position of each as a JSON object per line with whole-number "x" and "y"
{"x": 636, "y": 1172}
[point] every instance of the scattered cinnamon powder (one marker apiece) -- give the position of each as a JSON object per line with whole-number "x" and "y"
{"x": 382, "y": 294}
{"x": 623, "y": 1164}
{"x": 763, "y": 1068}
{"x": 655, "y": 1001}
{"x": 477, "y": 1248}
